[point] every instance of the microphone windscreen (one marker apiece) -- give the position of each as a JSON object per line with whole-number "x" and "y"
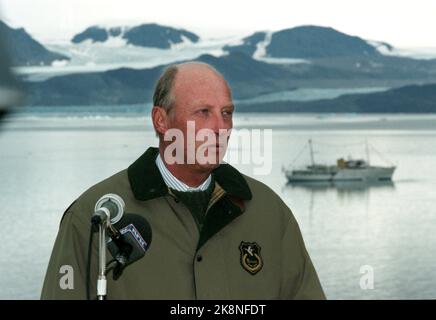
{"x": 141, "y": 225}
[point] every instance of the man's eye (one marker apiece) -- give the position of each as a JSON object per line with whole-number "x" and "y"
{"x": 204, "y": 111}
{"x": 227, "y": 113}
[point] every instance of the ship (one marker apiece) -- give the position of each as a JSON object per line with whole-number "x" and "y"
{"x": 343, "y": 170}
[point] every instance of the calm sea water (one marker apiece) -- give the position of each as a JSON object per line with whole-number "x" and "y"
{"x": 48, "y": 159}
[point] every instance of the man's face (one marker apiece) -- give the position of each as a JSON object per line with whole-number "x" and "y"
{"x": 203, "y": 111}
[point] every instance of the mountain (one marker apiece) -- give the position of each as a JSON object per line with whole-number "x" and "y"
{"x": 145, "y": 35}
{"x": 248, "y": 45}
{"x": 121, "y": 86}
{"x": 317, "y": 42}
{"x": 247, "y": 77}
{"x": 308, "y": 42}
{"x": 407, "y": 99}
{"x": 26, "y": 51}
{"x": 96, "y": 34}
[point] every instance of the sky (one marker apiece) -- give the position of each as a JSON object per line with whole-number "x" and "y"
{"x": 402, "y": 23}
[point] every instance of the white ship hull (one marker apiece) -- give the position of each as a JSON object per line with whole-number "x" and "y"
{"x": 345, "y": 174}
{"x": 370, "y": 173}
{"x": 308, "y": 177}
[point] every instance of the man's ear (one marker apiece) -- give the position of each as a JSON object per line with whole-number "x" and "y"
{"x": 160, "y": 119}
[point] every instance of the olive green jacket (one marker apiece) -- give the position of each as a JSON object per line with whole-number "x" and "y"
{"x": 250, "y": 246}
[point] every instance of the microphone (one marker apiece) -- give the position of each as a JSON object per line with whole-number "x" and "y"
{"x": 109, "y": 209}
{"x": 131, "y": 243}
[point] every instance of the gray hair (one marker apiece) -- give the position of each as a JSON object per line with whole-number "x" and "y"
{"x": 163, "y": 96}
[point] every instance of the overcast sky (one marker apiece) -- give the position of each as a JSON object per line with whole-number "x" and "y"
{"x": 402, "y": 23}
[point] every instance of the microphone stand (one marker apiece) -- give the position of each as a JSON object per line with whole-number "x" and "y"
{"x": 102, "y": 217}
{"x": 102, "y": 246}
{"x": 101, "y": 281}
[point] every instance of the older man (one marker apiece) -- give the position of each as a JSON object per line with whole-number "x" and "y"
{"x": 217, "y": 234}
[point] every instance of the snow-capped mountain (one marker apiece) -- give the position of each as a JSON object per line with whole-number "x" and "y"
{"x": 145, "y": 35}
{"x": 118, "y": 65}
{"x": 305, "y": 42}
{"x": 26, "y": 51}
{"x": 102, "y": 48}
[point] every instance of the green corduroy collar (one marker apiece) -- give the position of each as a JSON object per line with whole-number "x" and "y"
{"x": 147, "y": 183}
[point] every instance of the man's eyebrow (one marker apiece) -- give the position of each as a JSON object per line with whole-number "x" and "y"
{"x": 231, "y": 106}
{"x": 206, "y": 105}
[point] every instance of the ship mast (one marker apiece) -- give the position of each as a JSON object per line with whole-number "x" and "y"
{"x": 311, "y": 152}
{"x": 367, "y": 151}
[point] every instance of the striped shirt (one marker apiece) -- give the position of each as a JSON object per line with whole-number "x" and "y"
{"x": 174, "y": 183}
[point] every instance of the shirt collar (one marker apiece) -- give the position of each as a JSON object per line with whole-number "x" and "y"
{"x": 174, "y": 183}
{"x": 147, "y": 182}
